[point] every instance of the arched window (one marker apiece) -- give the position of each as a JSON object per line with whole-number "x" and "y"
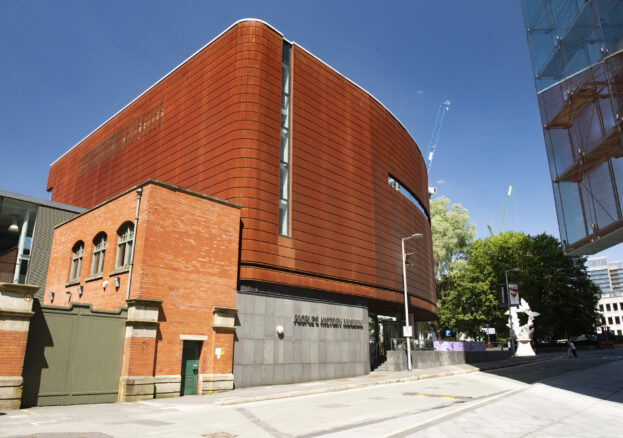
{"x": 125, "y": 237}
{"x": 76, "y": 260}
{"x": 99, "y": 248}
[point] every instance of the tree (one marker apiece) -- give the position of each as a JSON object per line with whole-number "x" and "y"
{"x": 559, "y": 288}
{"x": 452, "y": 233}
{"x": 467, "y": 304}
{"x": 556, "y": 286}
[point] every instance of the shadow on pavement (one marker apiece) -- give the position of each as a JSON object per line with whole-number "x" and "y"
{"x": 601, "y": 377}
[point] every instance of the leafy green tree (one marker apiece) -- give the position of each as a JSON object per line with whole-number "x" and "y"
{"x": 452, "y": 233}
{"x": 556, "y": 286}
{"x": 467, "y": 304}
{"x": 559, "y": 288}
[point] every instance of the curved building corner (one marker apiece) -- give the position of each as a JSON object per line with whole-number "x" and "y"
{"x": 326, "y": 182}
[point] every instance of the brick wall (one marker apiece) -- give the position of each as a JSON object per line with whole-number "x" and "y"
{"x": 13, "y": 347}
{"x": 186, "y": 256}
{"x": 106, "y": 218}
{"x": 138, "y": 357}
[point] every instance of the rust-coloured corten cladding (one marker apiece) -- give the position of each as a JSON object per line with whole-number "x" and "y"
{"x": 213, "y": 125}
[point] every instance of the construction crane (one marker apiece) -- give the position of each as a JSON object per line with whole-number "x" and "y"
{"x": 508, "y": 197}
{"x": 443, "y": 109}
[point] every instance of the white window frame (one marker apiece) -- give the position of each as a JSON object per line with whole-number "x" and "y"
{"x": 77, "y": 252}
{"x": 99, "y": 252}
{"x": 125, "y": 238}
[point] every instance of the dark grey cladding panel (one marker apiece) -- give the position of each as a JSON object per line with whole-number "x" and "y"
{"x": 47, "y": 219}
{"x": 294, "y": 293}
{"x": 305, "y": 351}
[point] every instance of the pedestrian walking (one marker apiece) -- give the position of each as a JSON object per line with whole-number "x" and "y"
{"x": 571, "y": 353}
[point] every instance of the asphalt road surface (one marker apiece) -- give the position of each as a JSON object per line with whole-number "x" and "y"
{"x": 557, "y": 397}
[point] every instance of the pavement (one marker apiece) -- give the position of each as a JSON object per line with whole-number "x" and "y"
{"x": 380, "y": 401}
{"x": 274, "y": 392}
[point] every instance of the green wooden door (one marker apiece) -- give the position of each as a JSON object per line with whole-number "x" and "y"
{"x": 190, "y": 367}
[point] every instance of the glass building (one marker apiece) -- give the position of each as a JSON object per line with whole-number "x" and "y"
{"x": 26, "y": 229}
{"x": 576, "y": 48}
{"x": 598, "y": 272}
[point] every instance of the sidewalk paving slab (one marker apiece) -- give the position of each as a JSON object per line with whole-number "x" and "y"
{"x": 261, "y": 393}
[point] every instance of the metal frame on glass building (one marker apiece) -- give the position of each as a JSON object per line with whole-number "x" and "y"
{"x": 576, "y": 48}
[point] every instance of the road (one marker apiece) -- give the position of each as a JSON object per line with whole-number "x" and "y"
{"x": 558, "y": 397}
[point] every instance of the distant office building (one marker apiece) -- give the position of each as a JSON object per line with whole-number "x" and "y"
{"x": 608, "y": 276}
{"x": 598, "y": 272}
{"x": 577, "y": 59}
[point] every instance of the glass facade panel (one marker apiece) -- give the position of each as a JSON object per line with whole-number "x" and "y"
{"x": 283, "y": 186}
{"x": 576, "y": 48}
{"x": 283, "y": 217}
{"x": 407, "y": 194}
{"x": 17, "y": 223}
{"x": 284, "y": 167}
{"x": 600, "y": 196}
{"x": 571, "y": 208}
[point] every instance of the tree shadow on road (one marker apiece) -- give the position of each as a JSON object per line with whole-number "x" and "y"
{"x": 594, "y": 374}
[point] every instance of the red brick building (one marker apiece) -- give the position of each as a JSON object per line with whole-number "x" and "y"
{"x": 328, "y": 181}
{"x": 183, "y": 271}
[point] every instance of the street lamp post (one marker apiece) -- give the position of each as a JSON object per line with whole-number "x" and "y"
{"x": 508, "y": 300}
{"x": 404, "y": 279}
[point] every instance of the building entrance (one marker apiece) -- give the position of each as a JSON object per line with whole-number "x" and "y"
{"x": 190, "y": 367}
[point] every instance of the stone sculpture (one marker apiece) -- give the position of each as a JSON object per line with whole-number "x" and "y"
{"x": 524, "y": 332}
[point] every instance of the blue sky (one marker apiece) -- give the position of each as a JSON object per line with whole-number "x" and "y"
{"x": 70, "y": 65}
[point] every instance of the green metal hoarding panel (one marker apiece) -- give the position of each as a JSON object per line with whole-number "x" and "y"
{"x": 73, "y": 356}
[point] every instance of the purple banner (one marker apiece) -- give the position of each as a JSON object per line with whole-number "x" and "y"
{"x": 458, "y": 346}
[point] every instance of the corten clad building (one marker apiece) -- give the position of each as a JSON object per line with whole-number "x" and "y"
{"x": 328, "y": 181}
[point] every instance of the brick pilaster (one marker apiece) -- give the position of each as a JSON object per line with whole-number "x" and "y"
{"x": 139, "y": 353}
{"x": 15, "y": 313}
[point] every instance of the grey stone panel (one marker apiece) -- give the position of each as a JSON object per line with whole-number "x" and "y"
{"x": 247, "y": 352}
{"x": 314, "y": 371}
{"x": 279, "y": 352}
{"x": 258, "y": 352}
{"x": 260, "y": 305}
{"x": 314, "y": 355}
{"x": 271, "y": 305}
{"x": 278, "y": 374}
{"x": 397, "y": 360}
{"x": 269, "y": 352}
{"x": 258, "y": 332}
{"x": 305, "y": 352}
{"x": 288, "y": 373}
{"x": 268, "y": 373}
{"x": 306, "y": 372}
{"x": 297, "y": 356}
